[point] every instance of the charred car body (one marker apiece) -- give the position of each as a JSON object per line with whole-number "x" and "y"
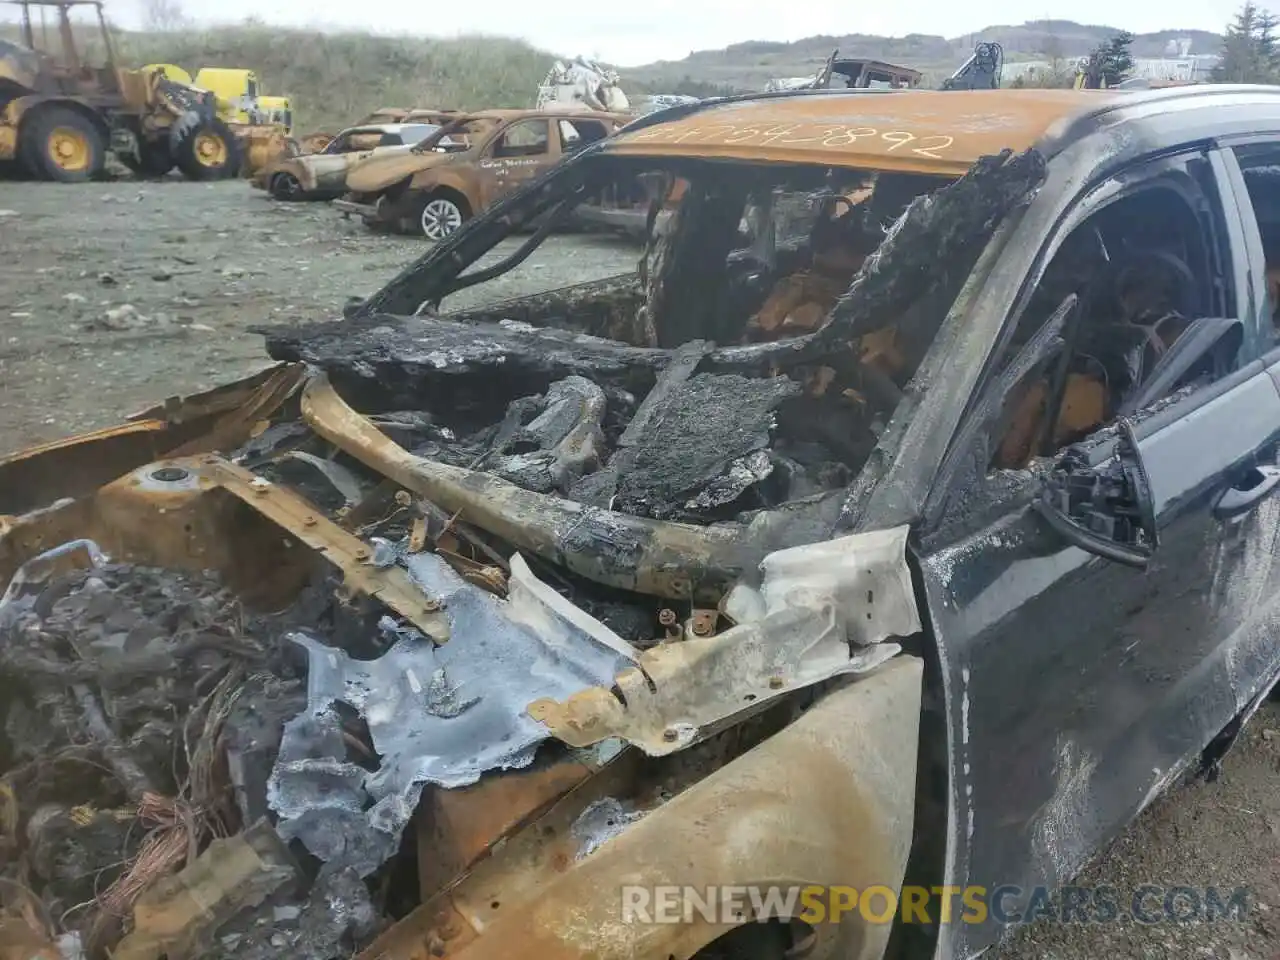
{"x": 323, "y": 175}
{"x": 777, "y": 562}
{"x": 433, "y": 192}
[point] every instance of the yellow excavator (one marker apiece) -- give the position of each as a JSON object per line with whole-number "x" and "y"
{"x": 59, "y": 116}
{"x": 262, "y": 124}
{"x": 240, "y": 100}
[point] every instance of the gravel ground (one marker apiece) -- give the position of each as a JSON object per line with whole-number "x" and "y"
{"x": 113, "y": 295}
{"x": 1224, "y": 834}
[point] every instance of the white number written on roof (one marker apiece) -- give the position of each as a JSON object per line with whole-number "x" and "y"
{"x": 869, "y": 139}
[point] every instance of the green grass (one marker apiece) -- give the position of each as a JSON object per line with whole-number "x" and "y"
{"x": 335, "y": 78}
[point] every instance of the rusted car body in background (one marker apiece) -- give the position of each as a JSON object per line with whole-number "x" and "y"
{"x": 323, "y": 175}
{"x": 434, "y": 192}
{"x": 920, "y": 534}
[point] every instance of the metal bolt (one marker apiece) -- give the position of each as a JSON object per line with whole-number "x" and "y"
{"x": 775, "y": 683}
{"x": 308, "y": 521}
{"x": 667, "y": 617}
{"x": 671, "y": 735}
{"x": 704, "y": 623}
{"x": 431, "y": 606}
{"x": 362, "y": 554}
{"x": 404, "y": 498}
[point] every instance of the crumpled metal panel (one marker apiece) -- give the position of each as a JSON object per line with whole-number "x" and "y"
{"x": 441, "y": 715}
{"x": 822, "y": 610}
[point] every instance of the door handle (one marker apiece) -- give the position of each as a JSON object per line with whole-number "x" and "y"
{"x": 1237, "y": 501}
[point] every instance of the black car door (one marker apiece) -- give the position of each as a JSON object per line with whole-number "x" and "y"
{"x": 1078, "y": 686}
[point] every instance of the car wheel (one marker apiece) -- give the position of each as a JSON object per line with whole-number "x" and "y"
{"x": 440, "y": 217}
{"x": 63, "y": 145}
{"x": 285, "y": 186}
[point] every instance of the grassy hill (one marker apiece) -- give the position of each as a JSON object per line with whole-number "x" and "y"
{"x": 748, "y": 66}
{"x": 335, "y": 77}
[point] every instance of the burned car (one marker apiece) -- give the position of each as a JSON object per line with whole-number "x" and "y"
{"x": 905, "y": 521}
{"x": 323, "y": 175}
{"x": 433, "y": 192}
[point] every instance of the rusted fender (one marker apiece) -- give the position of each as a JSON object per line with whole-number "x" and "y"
{"x": 378, "y": 173}
{"x": 457, "y": 178}
{"x": 828, "y": 800}
{"x": 13, "y": 112}
{"x": 218, "y": 419}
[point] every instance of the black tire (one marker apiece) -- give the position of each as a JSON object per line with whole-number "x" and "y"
{"x": 285, "y": 186}
{"x": 155, "y": 159}
{"x": 62, "y": 144}
{"x": 208, "y": 150}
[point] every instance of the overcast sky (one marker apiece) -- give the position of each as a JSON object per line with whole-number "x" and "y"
{"x": 640, "y": 31}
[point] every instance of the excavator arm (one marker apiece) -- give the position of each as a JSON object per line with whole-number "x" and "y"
{"x": 981, "y": 71}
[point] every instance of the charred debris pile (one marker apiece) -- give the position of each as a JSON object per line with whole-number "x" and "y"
{"x": 181, "y": 777}
{"x": 142, "y": 715}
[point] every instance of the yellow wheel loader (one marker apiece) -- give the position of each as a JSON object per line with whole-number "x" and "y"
{"x": 60, "y": 116}
{"x": 262, "y": 124}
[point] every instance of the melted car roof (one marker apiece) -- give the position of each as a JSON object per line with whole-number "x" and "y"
{"x": 921, "y": 131}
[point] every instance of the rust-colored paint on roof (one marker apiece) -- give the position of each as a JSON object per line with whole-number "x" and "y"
{"x": 941, "y": 132}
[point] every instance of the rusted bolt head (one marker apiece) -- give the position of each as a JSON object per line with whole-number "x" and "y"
{"x": 431, "y": 606}
{"x": 667, "y": 617}
{"x": 308, "y": 521}
{"x": 670, "y": 734}
{"x": 775, "y": 683}
{"x": 362, "y": 554}
{"x": 404, "y": 498}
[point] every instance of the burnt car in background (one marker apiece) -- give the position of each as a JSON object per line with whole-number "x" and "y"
{"x": 907, "y": 518}
{"x": 433, "y": 192}
{"x": 323, "y": 175}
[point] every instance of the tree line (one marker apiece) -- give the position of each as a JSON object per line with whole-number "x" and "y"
{"x": 1249, "y": 53}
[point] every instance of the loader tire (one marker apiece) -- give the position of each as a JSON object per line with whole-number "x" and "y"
{"x": 208, "y": 151}
{"x": 63, "y": 145}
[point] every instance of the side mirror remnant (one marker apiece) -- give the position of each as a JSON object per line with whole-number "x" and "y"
{"x": 1107, "y": 510}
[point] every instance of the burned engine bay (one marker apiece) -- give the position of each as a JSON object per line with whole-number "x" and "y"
{"x": 589, "y": 537}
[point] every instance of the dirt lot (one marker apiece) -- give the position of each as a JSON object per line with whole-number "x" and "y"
{"x": 114, "y": 295}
